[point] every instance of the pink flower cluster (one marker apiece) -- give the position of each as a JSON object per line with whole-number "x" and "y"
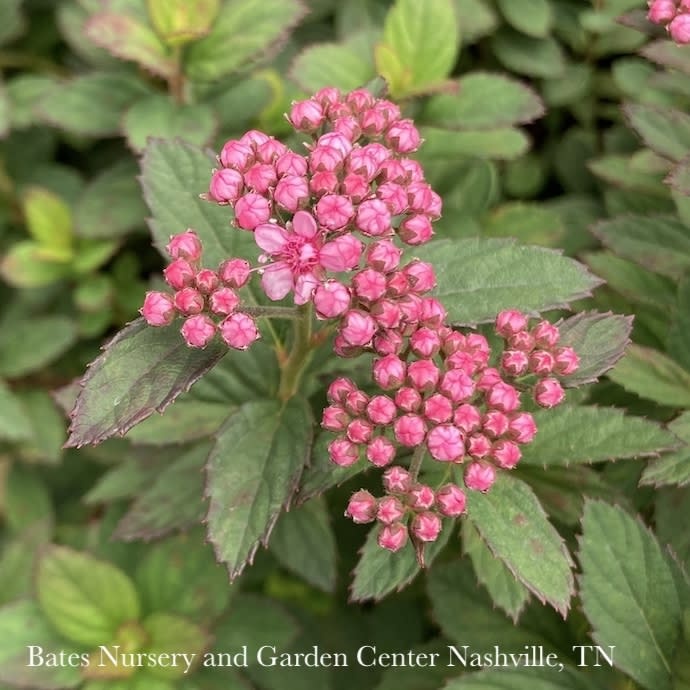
{"x": 206, "y": 299}
{"x": 674, "y": 14}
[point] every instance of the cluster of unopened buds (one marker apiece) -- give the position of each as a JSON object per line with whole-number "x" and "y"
{"x": 674, "y": 15}
{"x": 329, "y": 224}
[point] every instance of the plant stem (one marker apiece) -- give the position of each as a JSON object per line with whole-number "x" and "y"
{"x": 274, "y": 312}
{"x": 416, "y": 462}
{"x": 300, "y": 354}
{"x": 176, "y": 81}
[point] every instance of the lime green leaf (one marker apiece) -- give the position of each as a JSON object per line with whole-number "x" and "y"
{"x": 141, "y": 370}
{"x": 170, "y": 634}
{"x": 14, "y": 424}
{"x": 26, "y": 265}
{"x": 504, "y": 144}
{"x": 85, "y": 599}
{"x": 513, "y": 523}
{"x": 678, "y": 342}
{"x": 159, "y": 116}
{"x": 181, "y": 21}
{"x": 484, "y": 101}
{"x": 419, "y": 46}
{"x": 231, "y": 47}
{"x": 380, "y": 572}
{"x": 652, "y": 375}
{"x": 252, "y": 473}
{"x": 628, "y": 593}
{"x": 665, "y": 130}
{"x": 531, "y": 17}
{"x": 534, "y": 57}
{"x": 303, "y": 542}
{"x": 523, "y": 679}
{"x": 673, "y": 468}
{"x": 477, "y": 278}
{"x": 48, "y": 220}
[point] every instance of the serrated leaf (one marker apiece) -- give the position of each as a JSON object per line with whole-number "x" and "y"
{"x": 652, "y": 375}
{"x": 523, "y": 679}
{"x": 620, "y": 171}
{"x": 159, "y": 116}
{"x": 303, "y": 542}
{"x": 570, "y": 435}
{"x": 504, "y": 143}
{"x": 380, "y": 572}
{"x": 170, "y": 634}
{"x": 419, "y": 46}
{"x": 484, "y": 100}
{"x": 673, "y": 468}
{"x": 181, "y": 21}
{"x": 230, "y": 47}
{"x": 141, "y": 370}
{"x": 665, "y": 130}
{"x": 628, "y": 593}
{"x": 678, "y": 341}
{"x": 513, "y": 523}
{"x": 173, "y": 175}
{"x": 534, "y": 57}
{"x": 477, "y": 278}
{"x": 85, "y": 599}
{"x": 14, "y": 423}
{"x": 531, "y": 17}
{"x": 506, "y": 592}
{"x": 252, "y": 473}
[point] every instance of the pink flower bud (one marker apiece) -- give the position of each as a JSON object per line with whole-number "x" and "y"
{"x": 399, "y": 286}
{"x": 189, "y": 301}
{"x": 343, "y": 349}
{"x": 479, "y": 476}
{"x": 386, "y": 313}
{"x": 361, "y": 508}
{"x": 355, "y": 186}
{"x": 223, "y": 301}
{"x": 374, "y": 122}
{"x": 359, "y": 100}
{"x": 467, "y": 418}
{"x": 389, "y": 372}
{"x": 390, "y": 510}
{"x": 684, "y": 5}
{"x": 339, "y": 389}
{"x": 503, "y": 397}
{"x": 380, "y": 452}
{"x": 434, "y": 207}
{"x": 545, "y": 335}
{"x": 388, "y": 109}
{"x": 341, "y": 254}
{"x": 291, "y": 193}
{"x": 509, "y": 322}
{"x": 381, "y": 409}
{"x": 495, "y": 423}
{"x": 393, "y": 537}
{"x": 394, "y": 196}
{"x": 356, "y": 402}
{"x": 306, "y": 116}
{"x": 290, "y": 163}
{"x": 239, "y": 331}
{"x": 388, "y": 342}
{"x": 327, "y": 96}
{"x": 234, "y": 272}
{"x": 421, "y": 276}
{"x": 254, "y": 138}
{"x": 419, "y": 196}
{"x": 437, "y": 408}
{"x": 237, "y": 155}
{"x": 409, "y": 430}
{"x": 369, "y": 285}
{"x": 335, "y": 418}
{"x": 206, "y": 281}
{"x": 343, "y": 452}
{"x": 373, "y": 218}
{"x": 337, "y": 141}
{"x": 541, "y": 362}
{"x": 451, "y": 500}
{"x": 179, "y": 274}
{"x": 478, "y": 446}
{"x": 325, "y": 159}
{"x": 514, "y": 362}
{"x": 661, "y": 11}
{"x": 426, "y": 527}
{"x": 445, "y": 443}
{"x": 323, "y": 182}
{"x": 461, "y": 360}
{"x": 403, "y": 136}
{"x": 394, "y": 171}
{"x": 488, "y": 379}
{"x": 413, "y": 169}
{"x": 360, "y": 431}
{"x": 357, "y": 328}
{"x": 331, "y": 299}
{"x": 334, "y": 211}
{"x": 408, "y": 399}
{"x": 260, "y": 177}
{"x": 251, "y": 210}
{"x": 421, "y": 497}
{"x": 548, "y": 393}
{"x": 452, "y": 342}
{"x": 423, "y": 375}
{"x": 158, "y": 309}
{"x": 522, "y": 427}
{"x": 567, "y": 361}
{"x": 348, "y": 126}
{"x": 522, "y": 341}
{"x": 186, "y": 245}
{"x": 425, "y": 342}
{"x": 506, "y": 454}
{"x": 396, "y": 480}
{"x": 433, "y": 313}
{"x": 361, "y": 162}
{"x": 415, "y": 230}
{"x": 198, "y": 331}
{"x": 457, "y": 385}
{"x": 226, "y": 186}
{"x": 270, "y": 151}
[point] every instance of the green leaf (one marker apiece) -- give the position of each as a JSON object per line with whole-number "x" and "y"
{"x": 48, "y": 220}
{"x": 530, "y": 222}
{"x": 484, "y": 101}
{"x": 23, "y": 625}
{"x": 665, "y": 130}
{"x": 477, "y": 278}
{"x": 12, "y": 22}
{"x": 159, "y": 116}
{"x": 476, "y": 19}
{"x": 419, "y": 47}
{"x": 569, "y": 435}
{"x": 506, "y": 592}
{"x": 380, "y": 572}
{"x": 230, "y": 47}
{"x": 170, "y": 634}
{"x": 92, "y": 105}
{"x": 303, "y": 542}
{"x": 659, "y": 243}
{"x": 652, "y": 375}
{"x": 668, "y": 54}
{"x": 27, "y": 499}
{"x": 48, "y": 424}
{"x": 181, "y": 21}
{"x": 173, "y": 175}
{"x": 513, "y": 523}
{"x": 14, "y": 424}
{"x": 531, "y": 17}
{"x": 27, "y": 264}
{"x": 50, "y": 337}
{"x": 534, "y": 57}
{"x": 92, "y": 254}
{"x": 505, "y": 143}
{"x": 127, "y": 37}
{"x": 621, "y": 171}
{"x": 84, "y": 598}
{"x": 141, "y": 370}
{"x": 252, "y": 473}
{"x": 678, "y": 342}
{"x": 673, "y": 468}
{"x": 24, "y": 91}
{"x": 523, "y": 679}
{"x": 679, "y": 177}
{"x": 97, "y": 217}
{"x": 126, "y": 480}
{"x": 628, "y": 593}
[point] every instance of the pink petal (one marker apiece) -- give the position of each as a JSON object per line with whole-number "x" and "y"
{"x": 277, "y": 280}
{"x": 304, "y": 287}
{"x": 271, "y": 237}
{"x": 304, "y": 225}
